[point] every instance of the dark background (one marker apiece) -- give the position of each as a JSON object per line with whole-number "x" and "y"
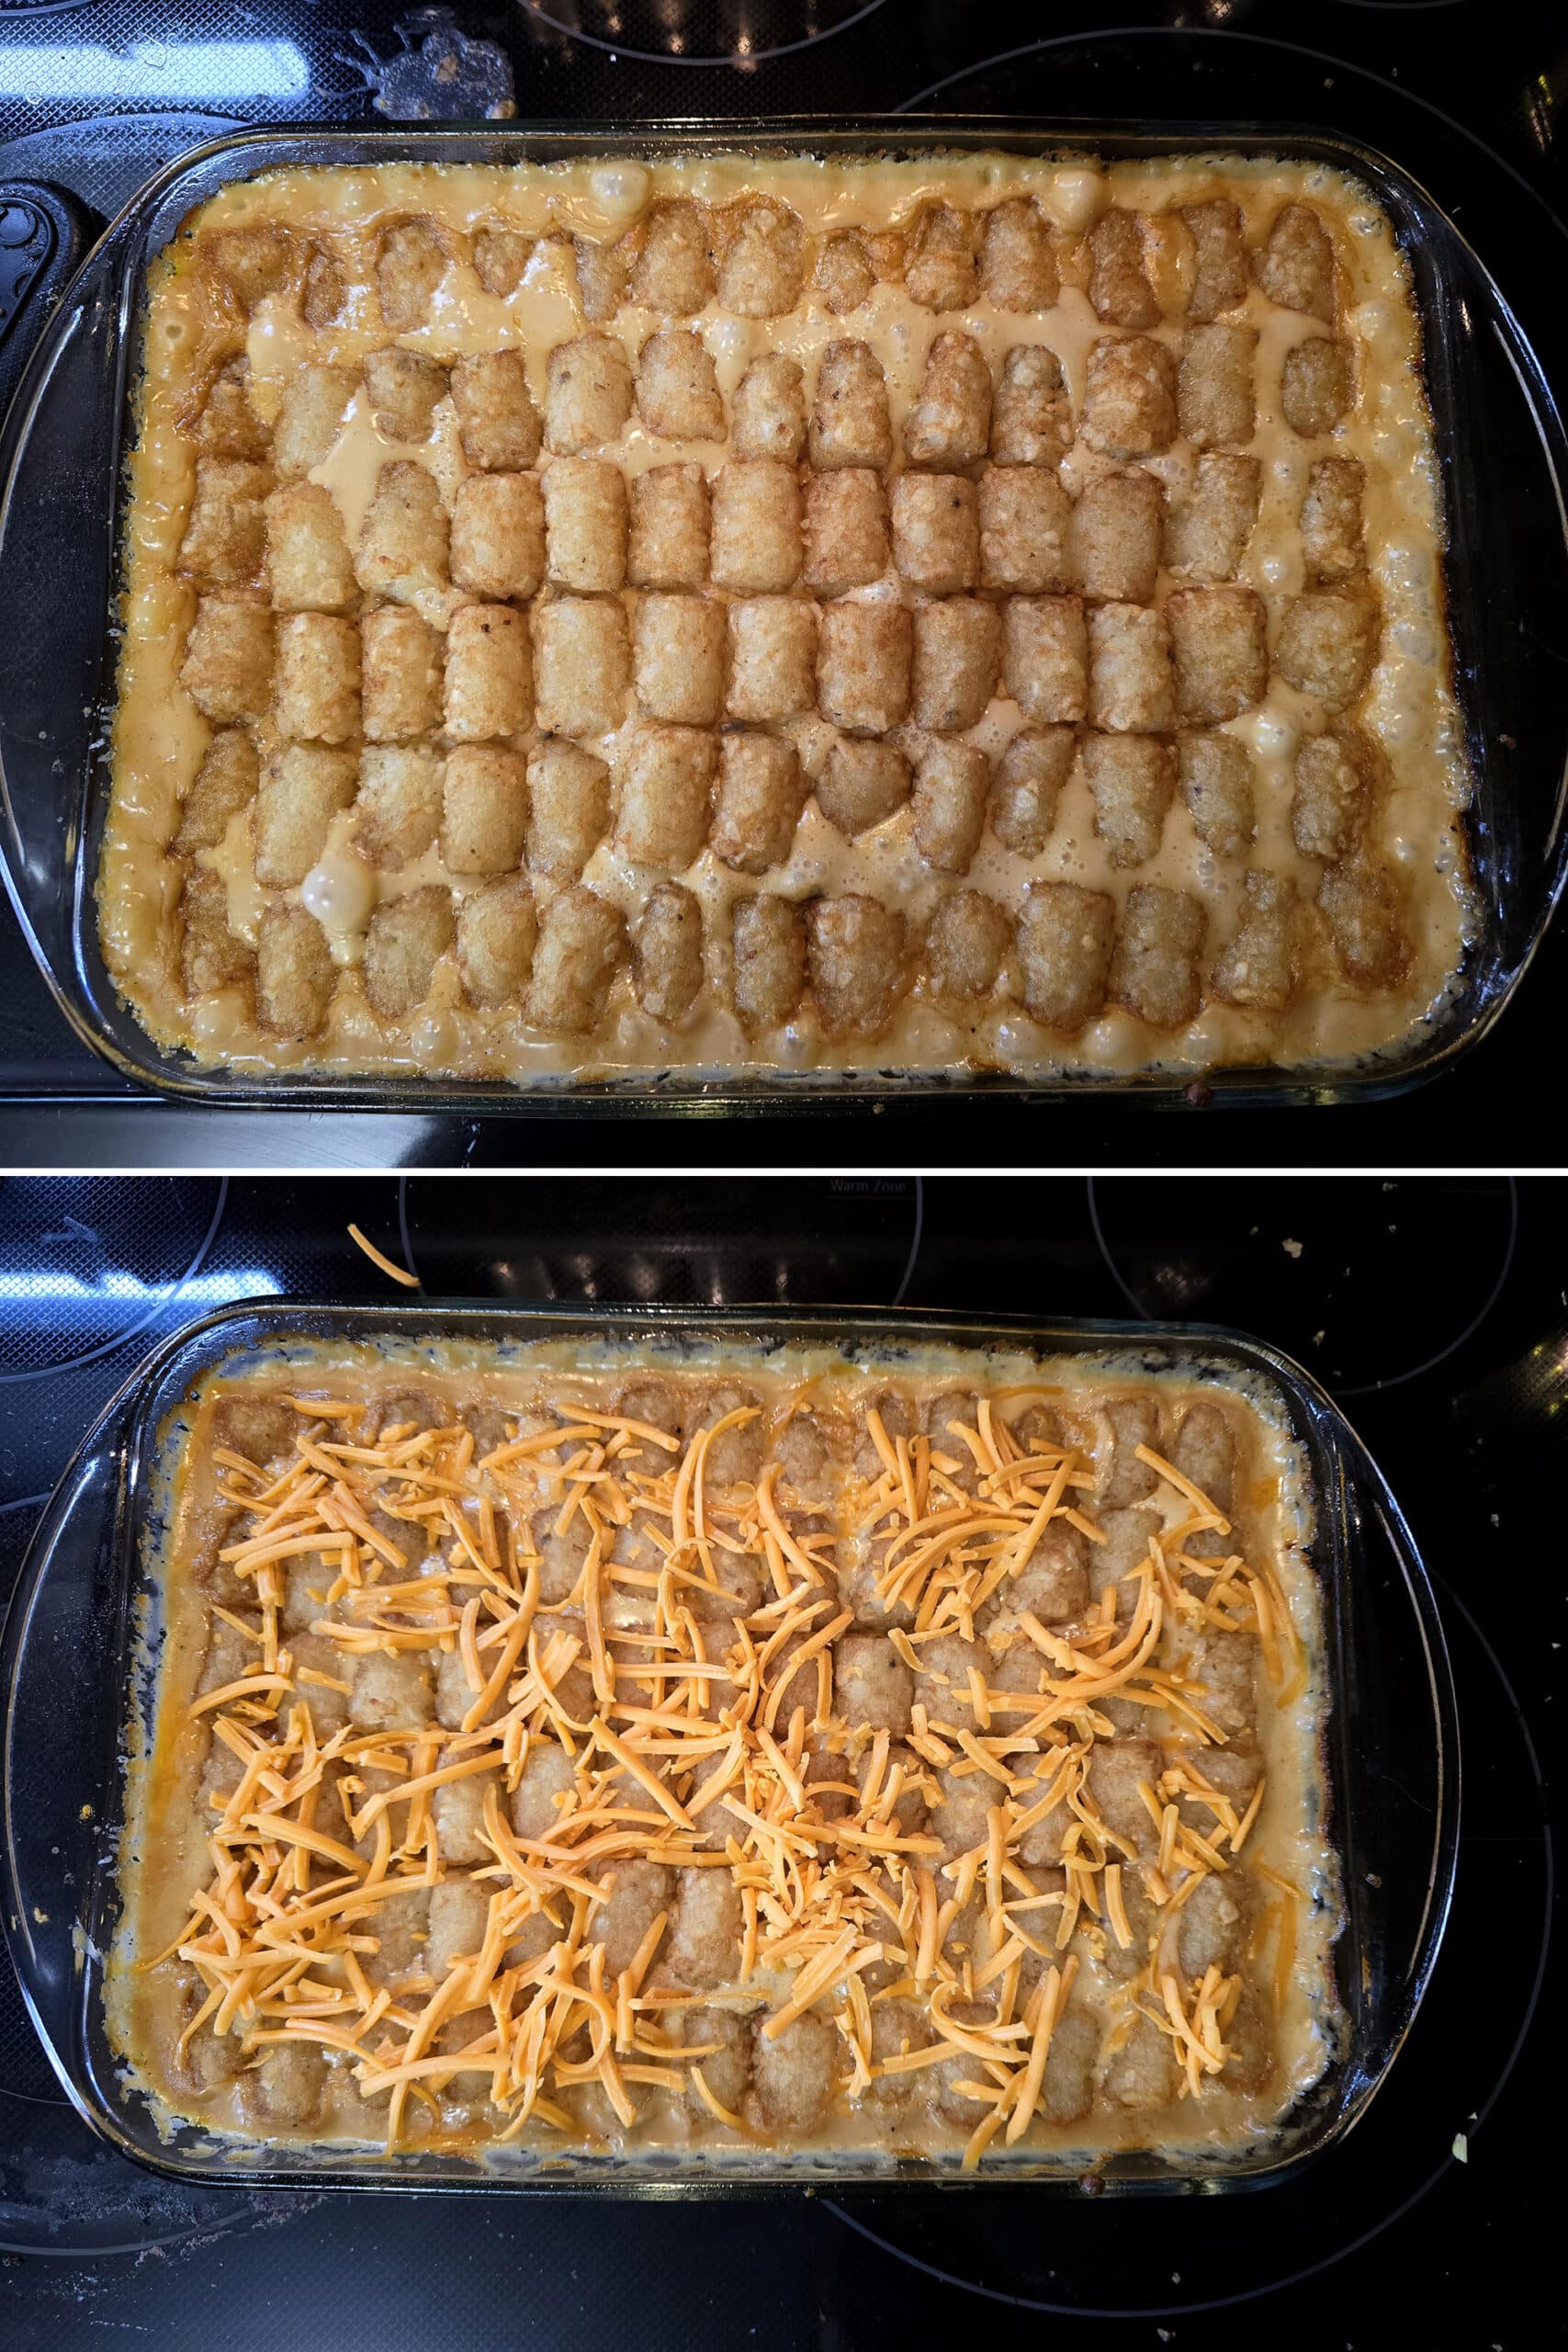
{"x": 95, "y": 95}
{"x": 1434, "y": 1310}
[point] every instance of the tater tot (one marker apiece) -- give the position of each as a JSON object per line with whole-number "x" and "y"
{"x": 1065, "y": 935}
{"x": 228, "y": 665}
{"x": 403, "y": 540}
{"x": 484, "y": 809}
{"x": 845, "y": 530}
{"x": 1115, "y": 535}
{"x": 1331, "y": 539}
{"x": 1129, "y": 687}
{"x": 1129, "y": 399}
{"x": 936, "y": 531}
{"x": 1030, "y": 777}
{"x": 667, "y": 952}
{"x": 1214, "y": 399}
{"x": 856, "y": 960}
{"x": 861, "y": 785}
{"x": 228, "y": 426}
{"x": 410, "y": 264}
{"x": 667, "y": 542}
{"x": 1360, "y": 903}
{"x": 761, "y": 791}
{"x": 949, "y": 422}
{"x": 582, "y": 664}
{"x": 678, "y": 658}
{"x": 845, "y": 275}
{"x": 666, "y": 786}
{"x": 767, "y": 415}
{"x": 490, "y": 674}
{"x": 1218, "y": 274}
{"x": 224, "y": 783}
{"x": 308, "y": 564}
{"x": 406, "y": 940}
{"x": 497, "y": 535}
{"x": 1119, "y": 284}
{"x": 322, "y": 295}
{"x": 1328, "y": 808}
{"x": 497, "y": 927}
{"x": 1258, "y": 968}
{"x": 1045, "y": 657}
{"x": 864, "y": 658}
{"x": 582, "y": 940}
{"x": 1017, "y": 270}
{"x": 677, "y": 387}
{"x": 674, "y": 272}
{"x": 403, "y": 388}
{"x": 498, "y": 426}
{"x": 1131, "y": 779}
{"x": 958, "y": 645}
{"x": 773, "y": 651}
{"x": 1295, "y": 265}
{"x": 967, "y": 942}
{"x": 303, "y": 788}
{"x": 212, "y": 955}
{"x": 763, "y": 262}
{"x": 872, "y": 1684}
{"x": 295, "y": 973}
{"x": 1316, "y": 385}
{"x": 1218, "y": 652}
{"x": 316, "y": 690}
{"x": 768, "y": 935}
{"x": 501, "y": 256}
{"x": 602, "y": 271}
{"x": 1206, "y": 532}
{"x": 1031, "y": 418}
{"x": 953, "y": 783}
{"x": 1327, "y": 644}
{"x": 850, "y": 420}
{"x": 1215, "y": 772}
{"x": 755, "y": 543}
{"x": 1153, "y": 971}
{"x": 227, "y": 533}
{"x": 585, "y": 525}
{"x": 568, "y": 809}
{"x": 401, "y": 675}
{"x": 705, "y": 1928}
{"x": 309, "y": 419}
{"x": 399, "y": 809}
{"x": 942, "y": 273}
{"x": 588, "y": 394}
{"x": 1026, "y": 530}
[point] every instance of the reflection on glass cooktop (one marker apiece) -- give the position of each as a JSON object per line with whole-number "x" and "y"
{"x": 1436, "y": 1309}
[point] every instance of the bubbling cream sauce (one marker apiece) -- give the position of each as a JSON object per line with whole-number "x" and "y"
{"x": 1408, "y": 710}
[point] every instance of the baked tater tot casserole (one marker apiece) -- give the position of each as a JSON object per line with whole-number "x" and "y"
{"x": 724, "y": 1757}
{"x": 726, "y": 616}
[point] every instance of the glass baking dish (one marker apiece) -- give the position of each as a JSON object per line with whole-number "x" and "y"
{"x": 73, "y": 1670}
{"x": 1505, "y": 496}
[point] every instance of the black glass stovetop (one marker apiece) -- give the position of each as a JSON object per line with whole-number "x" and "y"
{"x": 1436, "y": 1310}
{"x": 95, "y": 95}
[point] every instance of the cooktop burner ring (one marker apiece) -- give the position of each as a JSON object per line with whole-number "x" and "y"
{"x": 108, "y": 1268}
{"x": 1303, "y": 1287}
{"x": 742, "y": 60}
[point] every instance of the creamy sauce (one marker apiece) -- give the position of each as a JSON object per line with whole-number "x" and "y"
{"x": 164, "y": 1856}
{"x": 1408, "y": 708}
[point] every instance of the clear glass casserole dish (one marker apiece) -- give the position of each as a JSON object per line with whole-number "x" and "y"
{"x": 73, "y": 1672}
{"x": 1505, "y": 518}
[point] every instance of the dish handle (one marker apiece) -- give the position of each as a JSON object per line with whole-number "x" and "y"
{"x": 60, "y": 1691}
{"x": 1508, "y": 491}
